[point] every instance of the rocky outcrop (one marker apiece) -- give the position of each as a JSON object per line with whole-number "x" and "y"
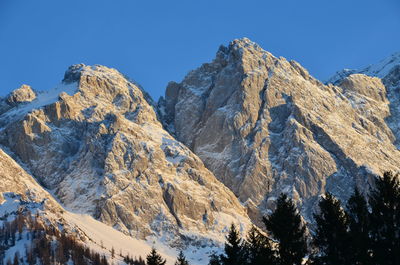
{"x": 21, "y": 95}
{"x": 388, "y": 70}
{"x": 19, "y": 191}
{"x": 96, "y": 142}
{"x": 263, "y": 125}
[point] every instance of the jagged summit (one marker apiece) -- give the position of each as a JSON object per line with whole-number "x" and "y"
{"x": 96, "y": 142}
{"x": 381, "y": 69}
{"x": 263, "y": 125}
{"x": 22, "y": 94}
{"x": 220, "y": 147}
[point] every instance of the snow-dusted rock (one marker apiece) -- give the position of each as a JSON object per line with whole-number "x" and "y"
{"x": 389, "y": 71}
{"x": 23, "y": 94}
{"x": 263, "y": 126}
{"x": 100, "y": 148}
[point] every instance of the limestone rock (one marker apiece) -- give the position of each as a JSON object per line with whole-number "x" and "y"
{"x": 263, "y": 125}
{"x": 23, "y": 94}
{"x": 96, "y": 142}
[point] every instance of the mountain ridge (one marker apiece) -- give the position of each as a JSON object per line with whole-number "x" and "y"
{"x": 219, "y": 148}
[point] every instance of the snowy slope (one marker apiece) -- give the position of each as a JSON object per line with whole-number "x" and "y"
{"x": 380, "y": 69}
{"x": 101, "y": 151}
{"x": 19, "y": 190}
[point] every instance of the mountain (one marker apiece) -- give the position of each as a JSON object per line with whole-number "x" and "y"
{"x": 97, "y": 158}
{"x": 263, "y": 125}
{"x": 95, "y": 143}
{"x": 21, "y": 194}
{"x": 388, "y": 70}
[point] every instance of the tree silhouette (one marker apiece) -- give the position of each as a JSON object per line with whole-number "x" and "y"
{"x": 385, "y": 219}
{"x": 181, "y": 260}
{"x": 234, "y": 252}
{"x": 154, "y": 258}
{"x": 331, "y": 237}
{"x": 258, "y": 248}
{"x": 360, "y": 244}
{"x": 287, "y": 229}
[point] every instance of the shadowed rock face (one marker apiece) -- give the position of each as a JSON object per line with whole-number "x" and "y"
{"x": 100, "y": 148}
{"x": 263, "y": 126}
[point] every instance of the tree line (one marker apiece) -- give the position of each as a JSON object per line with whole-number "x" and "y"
{"x": 47, "y": 245}
{"x": 365, "y": 231}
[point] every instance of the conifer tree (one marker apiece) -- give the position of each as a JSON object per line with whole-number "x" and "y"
{"x": 181, "y": 260}
{"x": 258, "y": 248}
{"x": 287, "y": 229}
{"x": 331, "y": 236}
{"x": 360, "y": 245}
{"x": 154, "y": 258}
{"x": 214, "y": 259}
{"x": 385, "y": 219}
{"x": 234, "y": 252}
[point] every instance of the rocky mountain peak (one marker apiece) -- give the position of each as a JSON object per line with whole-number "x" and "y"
{"x": 21, "y": 95}
{"x": 367, "y": 86}
{"x": 96, "y": 142}
{"x": 263, "y": 125}
{"x": 73, "y": 73}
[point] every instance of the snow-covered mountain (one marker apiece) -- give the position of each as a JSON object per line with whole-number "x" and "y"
{"x": 263, "y": 126}
{"x": 96, "y": 144}
{"x": 388, "y": 70}
{"x": 97, "y": 157}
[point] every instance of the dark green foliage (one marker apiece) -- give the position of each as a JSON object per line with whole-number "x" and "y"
{"x": 367, "y": 233}
{"x": 134, "y": 261}
{"x": 385, "y": 219}
{"x": 181, "y": 260}
{"x": 154, "y": 258}
{"x": 214, "y": 259}
{"x": 286, "y": 227}
{"x": 359, "y": 244}
{"x": 258, "y": 248}
{"x": 332, "y": 238}
{"x": 234, "y": 251}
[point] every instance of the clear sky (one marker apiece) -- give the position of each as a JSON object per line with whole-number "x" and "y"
{"x": 154, "y": 42}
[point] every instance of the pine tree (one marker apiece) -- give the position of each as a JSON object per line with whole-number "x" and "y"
{"x": 258, "y": 248}
{"x": 234, "y": 252}
{"x": 385, "y": 219}
{"x": 360, "y": 245}
{"x": 154, "y": 258}
{"x": 214, "y": 259}
{"x": 181, "y": 259}
{"x": 331, "y": 236}
{"x": 287, "y": 229}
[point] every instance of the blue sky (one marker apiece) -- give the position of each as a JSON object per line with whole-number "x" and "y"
{"x": 154, "y": 42}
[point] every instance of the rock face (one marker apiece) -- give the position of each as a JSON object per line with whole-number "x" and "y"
{"x": 263, "y": 126}
{"x": 21, "y": 95}
{"x": 258, "y": 123}
{"x": 388, "y": 70}
{"x": 95, "y": 141}
{"x": 18, "y": 189}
